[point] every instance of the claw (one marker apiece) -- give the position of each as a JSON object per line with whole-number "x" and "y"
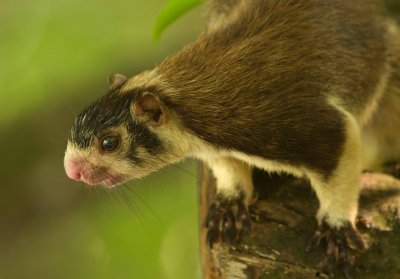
{"x": 316, "y": 238}
{"x": 212, "y": 233}
{"x": 244, "y": 217}
{"x": 343, "y": 246}
{"x": 212, "y": 213}
{"x": 229, "y": 228}
{"x": 226, "y": 219}
{"x": 355, "y": 240}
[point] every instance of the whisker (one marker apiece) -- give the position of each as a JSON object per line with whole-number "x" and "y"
{"x": 130, "y": 197}
{"x": 72, "y": 111}
{"x": 130, "y": 200}
{"x": 144, "y": 203}
{"x": 184, "y": 171}
{"x": 114, "y": 197}
{"x": 88, "y": 190}
{"x": 125, "y": 190}
{"x": 132, "y": 206}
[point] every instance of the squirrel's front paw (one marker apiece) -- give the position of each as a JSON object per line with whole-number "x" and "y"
{"x": 226, "y": 219}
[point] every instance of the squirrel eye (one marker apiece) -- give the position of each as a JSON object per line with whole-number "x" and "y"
{"x": 109, "y": 143}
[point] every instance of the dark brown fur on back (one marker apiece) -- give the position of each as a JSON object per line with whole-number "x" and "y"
{"x": 259, "y": 85}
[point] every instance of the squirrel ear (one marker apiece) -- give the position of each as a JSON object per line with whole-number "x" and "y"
{"x": 149, "y": 108}
{"x": 115, "y": 80}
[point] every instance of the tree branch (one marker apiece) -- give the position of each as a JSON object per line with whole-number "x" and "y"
{"x": 283, "y": 223}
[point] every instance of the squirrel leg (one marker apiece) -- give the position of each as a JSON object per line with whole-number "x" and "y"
{"x": 228, "y": 214}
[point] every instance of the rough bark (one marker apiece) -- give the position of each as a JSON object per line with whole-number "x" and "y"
{"x": 283, "y": 223}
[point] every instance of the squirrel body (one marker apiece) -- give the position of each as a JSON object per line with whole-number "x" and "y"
{"x": 303, "y": 87}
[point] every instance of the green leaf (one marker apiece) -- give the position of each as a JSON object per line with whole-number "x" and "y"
{"x": 171, "y": 12}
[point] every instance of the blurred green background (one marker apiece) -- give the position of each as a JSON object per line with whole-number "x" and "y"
{"x": 55, "y": 57}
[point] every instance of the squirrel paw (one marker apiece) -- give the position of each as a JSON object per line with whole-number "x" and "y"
{"x": 344, "y": 245}
{"x": 226, "y": 219}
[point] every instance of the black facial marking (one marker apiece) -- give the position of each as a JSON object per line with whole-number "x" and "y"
{"x": 111, "y": 110}
{"x": 145, "y": 138}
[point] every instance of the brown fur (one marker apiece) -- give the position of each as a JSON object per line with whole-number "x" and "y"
{"x": 259, "y": 84}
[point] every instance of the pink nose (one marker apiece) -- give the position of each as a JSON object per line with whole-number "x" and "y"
{"x": 73, "y": 170}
